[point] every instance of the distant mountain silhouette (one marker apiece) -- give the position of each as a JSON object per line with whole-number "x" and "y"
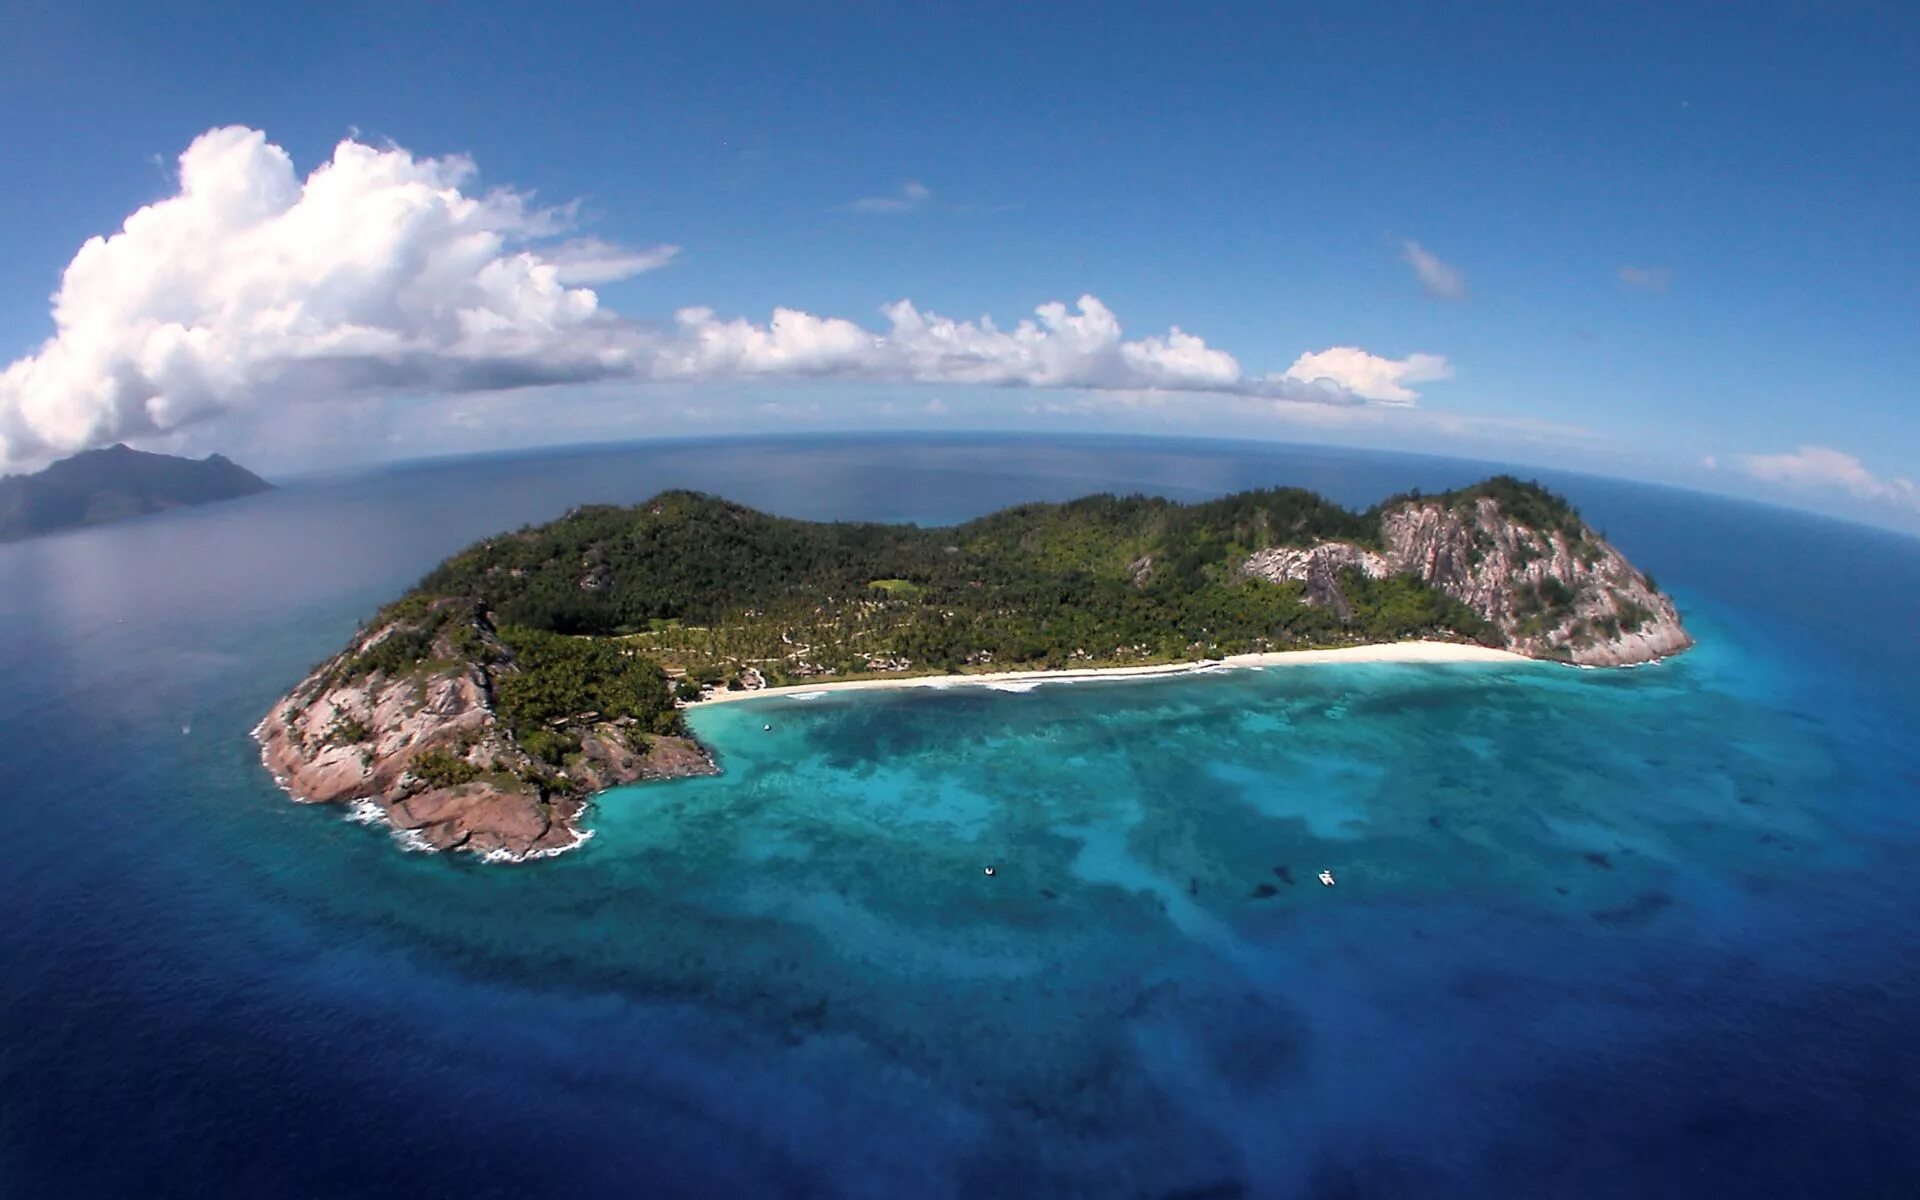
{"x": 112, "y": 484}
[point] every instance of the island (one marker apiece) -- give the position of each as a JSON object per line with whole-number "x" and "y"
{"x": 98, "y": 486}
{"x": 482, "y": 710}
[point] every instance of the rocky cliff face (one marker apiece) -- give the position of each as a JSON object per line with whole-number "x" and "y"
{"x": 420, "y": 745}
{"x": 1560, "y": 593}
{"x": 1319, "y": 568}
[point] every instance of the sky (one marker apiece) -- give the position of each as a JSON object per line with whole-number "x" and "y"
{"x": 1672, "y": 242}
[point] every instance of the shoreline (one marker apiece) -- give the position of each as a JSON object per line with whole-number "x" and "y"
{"x": 1388, "y": 652}
{"x": 369, "y": 811}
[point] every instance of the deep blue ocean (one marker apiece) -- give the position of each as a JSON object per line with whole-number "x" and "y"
{"x": 1640, "y": 933}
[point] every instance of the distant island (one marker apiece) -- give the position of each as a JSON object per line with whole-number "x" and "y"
{"x": 483, "y": 709}
{"x": 112, "y": 484}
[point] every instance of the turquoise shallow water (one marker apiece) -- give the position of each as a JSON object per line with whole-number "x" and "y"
{"x": 1596, "y": 933}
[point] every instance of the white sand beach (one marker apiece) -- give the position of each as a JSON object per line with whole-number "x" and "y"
{"x": 1398, "y": 652}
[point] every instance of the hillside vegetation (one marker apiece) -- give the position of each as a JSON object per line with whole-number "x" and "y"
{"x": 709, "y": 588}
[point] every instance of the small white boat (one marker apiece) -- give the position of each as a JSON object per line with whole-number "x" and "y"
{"x": 1326, "y": 878}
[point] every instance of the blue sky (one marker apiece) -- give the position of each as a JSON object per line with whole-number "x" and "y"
{"x": 1256, "y": 176}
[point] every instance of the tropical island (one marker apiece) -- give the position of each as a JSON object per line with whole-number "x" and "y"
{"x": 482, "y": 710}
{"x": 98, "y": 486}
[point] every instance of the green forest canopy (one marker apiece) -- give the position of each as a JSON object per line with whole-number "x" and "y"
{"x": 709, "y": 586}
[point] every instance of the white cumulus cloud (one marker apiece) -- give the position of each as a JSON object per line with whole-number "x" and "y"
{"x": 1822, "y": 467}
{"x": 1437, "y": 278}
{"x": 253, "y": 288}
{"x": 1368, "y": 375}
{"x": 377, "y": 269}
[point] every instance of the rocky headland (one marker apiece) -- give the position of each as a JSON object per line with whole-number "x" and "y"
{"x": 415, "y": 735}
{"x": 1557, "y": 591}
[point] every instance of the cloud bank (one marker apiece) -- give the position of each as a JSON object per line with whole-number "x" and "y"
{"x": 1824, "y": 468}
{"x": 1437, "y": 279}
{"x": 381, "y": 272}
